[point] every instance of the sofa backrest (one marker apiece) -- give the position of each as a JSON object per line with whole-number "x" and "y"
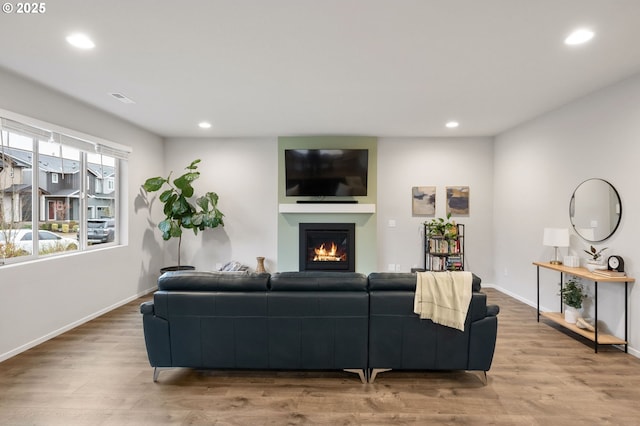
{"x": 212, "y": 281}
{"x": 404, "y": 281}
{"x": 291, "y": 281}
{"x": 318, "y": 281}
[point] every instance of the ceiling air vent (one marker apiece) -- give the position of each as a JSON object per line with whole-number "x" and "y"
{"x": 122, "y": 98}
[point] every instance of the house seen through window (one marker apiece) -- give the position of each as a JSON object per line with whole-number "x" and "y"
{"x": 64, "y": 187}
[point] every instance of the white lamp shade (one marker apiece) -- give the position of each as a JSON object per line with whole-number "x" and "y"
{"x": 556, "y": 237}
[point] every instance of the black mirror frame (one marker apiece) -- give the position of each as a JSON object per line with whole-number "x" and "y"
{"x": 572, "y": 210}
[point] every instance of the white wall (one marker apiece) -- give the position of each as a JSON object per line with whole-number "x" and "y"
{"x": 537, "y": 167}
{"x": 244, "y": 173}
{"x": 40, "y": 299}
{"x": 407, "y": 162}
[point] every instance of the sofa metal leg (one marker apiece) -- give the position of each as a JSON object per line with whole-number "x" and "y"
{"x": 482, "y": 375}
{"x": 375, "y": 371}
{"x": 157, "y": 370}
{"x": 359, "y": 371}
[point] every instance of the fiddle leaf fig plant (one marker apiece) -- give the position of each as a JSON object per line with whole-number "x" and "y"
{"x": 180, "y": 210}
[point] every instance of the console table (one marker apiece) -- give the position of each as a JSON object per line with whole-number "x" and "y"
{"x": 557, "y": 317}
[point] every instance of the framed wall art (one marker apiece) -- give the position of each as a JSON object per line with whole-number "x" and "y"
{"x": 458, "y": 200}
{"x": 423, "y": 200}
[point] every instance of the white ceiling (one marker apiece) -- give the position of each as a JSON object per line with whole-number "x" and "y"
{"x": 300, "y": 67}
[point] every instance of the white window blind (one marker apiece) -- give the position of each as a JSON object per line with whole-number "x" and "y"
{"x": 112, "y": 150}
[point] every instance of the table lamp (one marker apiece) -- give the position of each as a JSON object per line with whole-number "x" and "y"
{"x": 556, "y": 237}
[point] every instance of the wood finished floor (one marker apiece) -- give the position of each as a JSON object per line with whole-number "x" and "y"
{"x": 98, "y": 374}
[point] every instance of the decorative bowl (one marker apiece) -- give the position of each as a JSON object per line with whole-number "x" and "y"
{"x": 595, "y": 266}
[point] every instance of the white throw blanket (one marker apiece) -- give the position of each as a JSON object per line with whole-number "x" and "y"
{"x": 443, "y": 297}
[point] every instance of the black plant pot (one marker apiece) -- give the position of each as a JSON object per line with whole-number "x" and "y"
{"x": 177, "y": 268}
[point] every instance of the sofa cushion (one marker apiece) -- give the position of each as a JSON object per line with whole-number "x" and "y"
{"x": 212, "y": 281}
{"x": 392, "y": 281}
{"x": 404, "y": 281}
{"x": 318, "y": 281}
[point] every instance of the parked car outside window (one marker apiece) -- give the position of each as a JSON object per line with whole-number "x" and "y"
{"x": 48, "y": 242}
{"x": 101, "y": 230}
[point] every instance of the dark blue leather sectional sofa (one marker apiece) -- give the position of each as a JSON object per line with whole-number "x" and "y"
{"x": 307, "y": 321}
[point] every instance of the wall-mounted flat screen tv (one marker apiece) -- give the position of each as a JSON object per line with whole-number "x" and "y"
{"x": 326, "y": 172}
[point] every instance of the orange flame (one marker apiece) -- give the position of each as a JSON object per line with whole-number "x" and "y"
{"x": 324, "y": 255}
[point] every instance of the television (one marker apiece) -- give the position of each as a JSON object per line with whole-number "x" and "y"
{"x": 326, "y": 172}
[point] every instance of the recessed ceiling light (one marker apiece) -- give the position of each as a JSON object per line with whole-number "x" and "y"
{"x": 452, "y": 124}
{"x": 579, "y": 36}
{"x": 81, "y": 41}
{"x": 204, "y": 125}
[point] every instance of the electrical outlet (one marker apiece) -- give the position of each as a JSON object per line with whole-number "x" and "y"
{"x": 398, "y": 267}
{"x": 391, "y": 267}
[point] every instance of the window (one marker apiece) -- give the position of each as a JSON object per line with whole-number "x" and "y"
{"x": 76, "y": 179}
{"x": 16, "y": 188}
{"x": 100, "y": 168}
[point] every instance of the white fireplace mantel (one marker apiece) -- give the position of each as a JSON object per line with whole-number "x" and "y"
{"x": 327, "y": 208}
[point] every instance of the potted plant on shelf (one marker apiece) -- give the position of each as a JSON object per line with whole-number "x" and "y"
{"x": 442, "y": 227}
{"x": 596, "y": 259}
{"x": 572, "y": 296}
{"x": 180, "y": 209}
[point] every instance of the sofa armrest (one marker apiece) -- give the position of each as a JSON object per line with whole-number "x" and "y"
{"x": 156, "y": 336}
{"x": 147, "y": 308}
{"x": 482, "y": 343}
{"x": 478, "y": 306}
{"x": 493, "y": 310}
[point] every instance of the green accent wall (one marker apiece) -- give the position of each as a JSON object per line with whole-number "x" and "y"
{"x": 366, "y": 223}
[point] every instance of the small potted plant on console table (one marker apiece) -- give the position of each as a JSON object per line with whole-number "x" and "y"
{"x": 572, "y": 296}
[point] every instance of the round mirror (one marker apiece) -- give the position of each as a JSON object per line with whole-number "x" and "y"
{"x": 595, "y": 210}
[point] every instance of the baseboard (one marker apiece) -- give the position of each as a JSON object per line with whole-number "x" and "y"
{"x": 73, "y": 325}
{"x": 632, "y": 351}
{"x": 510, "y": 294}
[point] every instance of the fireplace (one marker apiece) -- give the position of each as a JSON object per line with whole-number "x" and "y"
{"x": 327, "y": 247}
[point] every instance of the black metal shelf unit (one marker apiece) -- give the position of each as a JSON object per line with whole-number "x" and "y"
{"x": 444, "y": 253}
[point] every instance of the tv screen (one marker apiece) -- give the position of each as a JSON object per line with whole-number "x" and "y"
{"x": 326, "y": 172}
